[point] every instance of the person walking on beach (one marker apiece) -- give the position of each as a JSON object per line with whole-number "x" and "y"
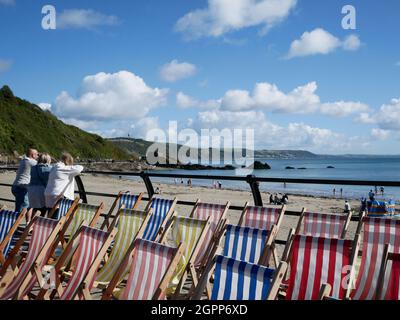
{"x": 37, "y": 186}
{"x": 61, "y": 180}
{"x": 334, "y": 192}
{"x": 20, "y": 186}
{"x": 341, "y": 192}
{"x": 382, "y": 191}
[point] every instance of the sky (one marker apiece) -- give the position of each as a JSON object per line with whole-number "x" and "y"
{"x": 287, "y": 69}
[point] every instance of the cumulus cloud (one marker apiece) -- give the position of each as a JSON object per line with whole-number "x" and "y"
{"x": 387, "y": 117}
{"x": 184, "y": 101}
{"x": 85, "y": 19}
{"x": 302, "y": 100}
{"x": 380, "y": 134}
{"x": 5, "y": 64}
{"x": 44, "y": 106}
{"x": 320, "y": 41}
{"x": 175, "y": 70}
{"x": 224, "y": 16}
{"x": 110, "y": 96}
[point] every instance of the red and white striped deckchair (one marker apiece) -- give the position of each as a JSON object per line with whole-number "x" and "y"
{"x": 88, "y": 248}
{"x": 377, "y": 233}
{"x": 316, "y": 261}
{"x": 389, "y": 278}
{"x": 151, "y": 268}
{"x": 323, "y": 224}
{"x": 261, "y": 217}
{"x": 17, "y": 284}
{"x": 216, "y": 214}
{"x": 124, "y": 200}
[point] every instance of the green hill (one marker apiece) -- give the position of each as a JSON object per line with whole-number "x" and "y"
{"x": 23, "y": 124}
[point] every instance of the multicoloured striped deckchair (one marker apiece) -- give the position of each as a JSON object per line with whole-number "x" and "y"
{"x": 261, "y": 217}
{"x": 240, "y": 280}
{"x": 151, "y": 266}
{"x": 163, "y": 209}
{"x": 9, "y": 222}
{"x": 377, "y": 233}
{"x": 88, "y": 248}
{"x": 389, "y": 278}
{"x": 131, "y": 225}
{"x": 323, "y": 224}
{"x": 217, "y": 214}
{"x": 381, "y": 208}
{"x": 83, "y": 212}
{"x": 192, "y": 233}
{"x": 17, "y": 284}
{"x": 123, "y": 200}
{"x": 317, "y": 261}
{"x": 248, "y": 244}
{"x": 63, "y": 208}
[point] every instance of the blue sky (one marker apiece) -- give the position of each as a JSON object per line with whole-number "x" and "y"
{"x": 285, "y": 68}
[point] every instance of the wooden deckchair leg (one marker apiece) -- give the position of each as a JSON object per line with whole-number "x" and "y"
{"x": 277, "y": 280}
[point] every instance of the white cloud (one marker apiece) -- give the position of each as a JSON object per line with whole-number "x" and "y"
{"x": 224, "y": 16}
{"x": 85, "y": 19}
{"x": 5, "y": 65}
{"x": 110, "y": 96}
{"x": 44, "y": 106}
{"x": 387, "y": 117}
{"x": 184, "y": 101}
{"x": 320, "y": 41}
{"x": 7, "y": 2}
{"x": 380, "y": 134}
{"x": 175, "y": 70}
{"x": 343, "y": 108}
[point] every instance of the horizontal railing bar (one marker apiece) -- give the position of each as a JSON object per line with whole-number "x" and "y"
{"x": 6, "y": 200}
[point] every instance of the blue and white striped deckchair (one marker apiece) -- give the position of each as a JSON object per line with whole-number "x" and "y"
{"x": 245, "y": 244}
{"x": 239, "y": 280}
{"x": 9, "y": 221}
{"x": 162, "y": 212}
{"x": 64, "y": 206}
{"x": 123, "y": 199}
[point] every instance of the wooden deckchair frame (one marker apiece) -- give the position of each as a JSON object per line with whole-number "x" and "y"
{"x": 162, "y": 286}
{"x": 190, "y": 268}
{"x": 345, "y": 226}
{"x": 139, "y": 234}
{"x": 387, "y": 255}
{"x": 83, "y": 291}
{"x": 326, "y": 288}
{"x": 70, "y": 210}
{"x": 10, "y": 233}
{"x": 206, "y": 275}
{"x": 168, "y": 216}
{"x": 106, "y": 223}
{"x": 15, "y": 263}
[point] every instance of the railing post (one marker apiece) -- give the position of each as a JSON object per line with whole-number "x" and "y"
{"x": 147, "y": 182}
{"x": 81, "y": 189}
{"x": 255, "y": 190}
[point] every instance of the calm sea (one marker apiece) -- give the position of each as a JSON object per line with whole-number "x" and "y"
{"x": 345, "y": 168}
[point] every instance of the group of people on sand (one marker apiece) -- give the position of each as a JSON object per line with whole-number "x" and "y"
{"x": 39, "y": 184}
{"x": 274, "y": 199}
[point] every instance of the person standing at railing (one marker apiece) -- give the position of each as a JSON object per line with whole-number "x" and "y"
{"x": 23, "y": 178}
{"x": 39, "y": 178}
{"x": 61, "y": 180}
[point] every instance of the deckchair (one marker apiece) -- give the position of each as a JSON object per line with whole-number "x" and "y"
{"x": 19, "y": 282}
{"x": 9, "y": 222}
{"x": 315, "y": 262}
{"x": 261, "y": 217}
{"x": 323, "y": 224}
{"x": 192, "y": 233}
{"x": 131, "y": 225}
{"x": 123, "y": 200}
{"x": 151, "y": 266}
{"x": 240, "y": 280}
{"x": 389, "y": 278}
{"x": 377, "y": 233}
{"x": 64, "y": 208}
{"x": 163, "y": 209}
{"x": 217, "y": 214}
{"x": 88, "y": 247}
{"x": 248, "y": 244}
{"x": 83, "y": 212}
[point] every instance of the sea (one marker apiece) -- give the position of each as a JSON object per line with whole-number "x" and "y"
{"x": 345, "y": 168}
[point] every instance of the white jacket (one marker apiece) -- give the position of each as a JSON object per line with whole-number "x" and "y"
{"x": 61, "y": 182}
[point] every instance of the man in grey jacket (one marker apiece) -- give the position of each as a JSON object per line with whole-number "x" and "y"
{"x": 23, "y": 178}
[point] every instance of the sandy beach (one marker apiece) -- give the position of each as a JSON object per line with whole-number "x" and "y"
{"x": 104, "y": 184}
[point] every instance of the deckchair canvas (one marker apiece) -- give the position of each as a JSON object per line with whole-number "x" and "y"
{"x": 65, "y": 208}
{"x": 261, "y": 217}
{"x": 151, "y": 266}
{"x": 389, "y": 278}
